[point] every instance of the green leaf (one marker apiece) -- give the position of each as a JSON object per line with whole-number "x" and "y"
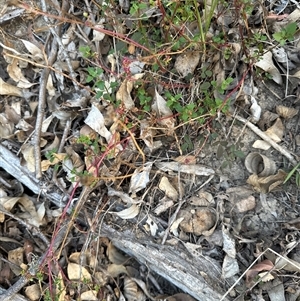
{"x": 220, "y": 151}
{"x": 205, "y": 86}
{"x": 239, "y": 154}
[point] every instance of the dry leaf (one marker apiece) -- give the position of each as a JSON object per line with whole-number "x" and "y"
{"x": 129, "y": 213}
{"x": 77, "y": 272}
{"x": 33, "y": 292}
{"x": 97, "y": 34}
{"x": 265, "y": 265}
{"x": 36, "y": 52}
{"x": 16, "y": 256}
{"x": 187, "y": 62}
{"x": 168, "y": 189}
{"x": 140, "y": 178}
{"x": 285, "y": 112}
{"x": 152, "y": 226}
{"x": 114, "y": 270}
{"x": 266, "y": 64}
{"x": 230, "y": 267}
{"x": 276, "y": 131}
{"x": 96, "y": 121}
{"x": 174, "y": 226}
{"x": 130, "y": 289}
{"x": 114, "y": 255}
{"x": 245, "y": 205}
{"x": 123, "y": 196}
{"x": 164, "y": 113}
{"x": 187, "y": 159}
{"x": 7, "y": 89}
{"x": 123, "y": 94}
{"x": 260, "y": 165}
{"x": 261, "y": 144}
{"x": 164, "y": 205}
{"x": 267, "y": 184}
{"x": 255, "y": 110}
{"x": 15, "y": 73}
{"x": 196, "y": 220}
{"x": 90, "y": 295}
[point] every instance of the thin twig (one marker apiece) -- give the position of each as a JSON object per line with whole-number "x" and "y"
{"x": 266, "y": 138}
{"x": 41, "y": 110}
{"x": 61, "y": 45}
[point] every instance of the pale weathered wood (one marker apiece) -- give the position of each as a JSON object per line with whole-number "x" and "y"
{"x": 11, "y": 164}
{"x": 173, "y": 264}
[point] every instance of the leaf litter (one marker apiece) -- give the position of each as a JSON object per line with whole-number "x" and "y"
{"x": 148, "y": 143}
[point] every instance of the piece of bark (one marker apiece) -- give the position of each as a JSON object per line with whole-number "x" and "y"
{"x": 173, "y": 264}
{"x": 16, "y": 297}
{"x": 11, "y": 164}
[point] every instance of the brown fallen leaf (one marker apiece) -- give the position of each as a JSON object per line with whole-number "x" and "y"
{"x": 265, "y": 265}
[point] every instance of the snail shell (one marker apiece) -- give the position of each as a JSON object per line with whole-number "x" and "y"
{"x": 260, "y": 165}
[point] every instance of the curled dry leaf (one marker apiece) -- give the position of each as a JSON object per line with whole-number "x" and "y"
{"x": 164, "y": 205}
{"x": 275, "y": 132}
{"x": 96, "y": 121}
{"x": 285, "y": 112}
{"x": 114, "y": 270}
{"x": 196, "y": 220}
{"x": 16, "y": 74}
{"x": 129, "y": 213}
{"x": 130, "y": 289}
{"x": 35, "y": 51}
{"x": 266, "y": 64}
{"x": 168, "y": 189}
{"x": 151, "y": 226}
{"x": 255, "y": 110}
{"x": 164, "y": 113}
{"x": 174, "y": 226}
{"x": 267, "y": 184}
{"x": 123, "y": 196}
{"x": 260, "y": 165}
{"x": 123, "y": 94}
{"x": 140, "y": 178}
{"x": 97, "y": 34}
{"x": 265, "y": 265}
{"x": 114, "y": 255}
{"x": 7, "y": 89}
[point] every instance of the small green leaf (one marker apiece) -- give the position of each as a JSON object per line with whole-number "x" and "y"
{"x": 220, "y": 151}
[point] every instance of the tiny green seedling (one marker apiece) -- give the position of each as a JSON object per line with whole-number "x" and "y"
{"x": 296, "y": 172}
{"x": 286, "y": 34}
